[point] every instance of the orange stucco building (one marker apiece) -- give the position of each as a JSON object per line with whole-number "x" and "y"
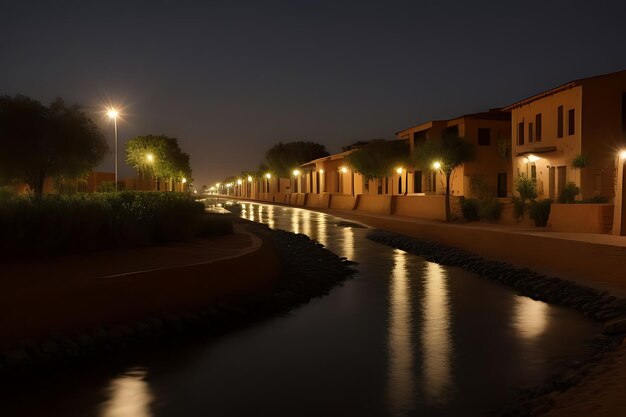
{"x": 554, "y": 131}
{"x": 491, "y": 169}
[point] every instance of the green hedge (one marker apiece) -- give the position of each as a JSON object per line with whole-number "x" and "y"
{"x": 82, "y": 222}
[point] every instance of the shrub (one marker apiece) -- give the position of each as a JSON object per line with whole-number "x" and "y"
{"x": 526, "y": 187}
{"x": 57, "y": 224}
{"x": 469, "y": 209}
{"x": 106, "y": 187}
{"x": 519, "y": 207}
{"x": 580, "y": 161}
{"x": 214, "y": 224}
{"x": 489, "y": 209}
{"x": 569, "y": 193}
{"x": 539, "y": 212}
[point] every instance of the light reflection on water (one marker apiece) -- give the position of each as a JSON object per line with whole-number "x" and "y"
{"x": 531, "y": 317}
{"x": 401, "y": 384}
{"x": 436, "y": 339}
{"x": 130, "y": 396}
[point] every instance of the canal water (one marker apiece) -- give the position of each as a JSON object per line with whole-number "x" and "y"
{"x": 403, "y": 337}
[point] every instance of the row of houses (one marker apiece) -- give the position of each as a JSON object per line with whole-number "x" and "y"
{"x": 575, "y": 132}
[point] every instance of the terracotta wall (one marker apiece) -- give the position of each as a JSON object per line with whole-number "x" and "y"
{"x": 345, "y": 202}
{"x": 424, "y": 207}
{"x": 372, "y": 203}
{"x": 318, "y": 200}
{"x": 581, "y": 218}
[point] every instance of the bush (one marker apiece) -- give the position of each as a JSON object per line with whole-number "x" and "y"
{"x": 539, "y": 212}
{"x": 469, "y": 209}
{"x": 215, "y": 224}
{"x": 57, "y": 224}
{"x": 519, "y": 208}
{"x": 569, "y": 193}
{"x": 489, "y": 209}
{"x": 526, "y": 187}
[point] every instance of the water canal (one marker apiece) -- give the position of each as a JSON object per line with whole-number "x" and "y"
{"x": 403, "y": 337}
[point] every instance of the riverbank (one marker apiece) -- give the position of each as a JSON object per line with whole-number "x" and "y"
{"x": 61, "y": 312}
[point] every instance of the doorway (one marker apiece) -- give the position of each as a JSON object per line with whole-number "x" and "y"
{"x": 502, "y": 186}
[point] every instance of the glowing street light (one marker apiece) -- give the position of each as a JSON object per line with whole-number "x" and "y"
{"x": 150, "y": 158}
{"x": 249, "y": 178}
{"x": 239, "y": 182}
{"x": 321, "y": 171}
{"x": 113, "y": 113}
{"x": 622, "y": 154}
{"x": 399, "y": 170}
{"x": 184, "y": 180}
{"x": 268, "y": 175}
{"x": 343, "y": 169}
{"x": 437, "y": 165}
{"x": 296, "y": 172}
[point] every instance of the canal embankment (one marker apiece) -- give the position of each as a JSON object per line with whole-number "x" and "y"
{"x": 64, "y": 309}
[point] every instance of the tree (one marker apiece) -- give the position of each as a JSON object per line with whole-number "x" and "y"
{"x": 448, "y": 153}
{"x": 159, "y": 156}
{"x": 282, "y": 158}
{"x": 37, "y": 142}
{"x": 376, "y": 160}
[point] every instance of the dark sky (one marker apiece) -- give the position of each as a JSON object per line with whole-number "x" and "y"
{"x": 231, "y": 78}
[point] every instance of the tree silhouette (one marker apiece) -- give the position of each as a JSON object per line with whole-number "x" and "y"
{"x": 377, "y": 160}
{"x": 449, "y": 152}
{"x": 282, "y": 158}
{"x": 37, "y": 142}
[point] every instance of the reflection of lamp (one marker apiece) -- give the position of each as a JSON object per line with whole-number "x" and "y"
{"x": 525, "y": 160}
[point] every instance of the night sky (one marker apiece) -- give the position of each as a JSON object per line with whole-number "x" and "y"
{"x": 231, "y": 78}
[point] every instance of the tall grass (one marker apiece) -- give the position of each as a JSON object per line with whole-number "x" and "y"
{"x": 58, "y": 224}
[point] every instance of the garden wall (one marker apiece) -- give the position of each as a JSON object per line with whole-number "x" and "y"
{"x": 372, "y": 203}
{"x": 581, "y": 218}
{"x": 432, "y": 207}
{"x": 344, "y": 202}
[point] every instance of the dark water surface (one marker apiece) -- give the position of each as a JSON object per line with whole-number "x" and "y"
{"x": 403, "y": 337}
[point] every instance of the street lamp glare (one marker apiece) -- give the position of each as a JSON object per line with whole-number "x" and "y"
{"x": 437, "y": 165}
{"x": 344, "y": 169}
{"x": 268, "y": 175}
{"x": 249, "y": 178}
{"x": 112, "y": 113}
{"x": 399, "y": 170}
{"x": 622, "y": 154}
{"x": 184, "y": 180}
{"x": 150, "y": 157}
{"x": 239, "y": 182}
{"x": 296, "y": 172}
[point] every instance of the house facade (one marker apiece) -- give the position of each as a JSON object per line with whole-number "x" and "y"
{"x": 571, "y": 133}
{"x": 489, "y": 172}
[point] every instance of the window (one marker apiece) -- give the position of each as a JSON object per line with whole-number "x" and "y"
{"x": 530, "y": 132}
{"x": 484, "y": 136}
{"x": 538, "y": 127}
{"x": 419, "y": 137}
{"x": 571, "y": 122}
{"x": 533, "y": 171}
{"x": 520, "y": 133}
{"x": 559, "y": 122}
{"x": 452, "y": 131}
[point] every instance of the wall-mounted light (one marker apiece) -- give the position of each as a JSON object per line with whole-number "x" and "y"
{"x": 533, "y": 158}
{"x": 399, "y": 170}
{"x": 437, "y": 165}
{"x": 343, "y": 169}
{"x": 622, "y": 154}
{"x": 296, "y": 172}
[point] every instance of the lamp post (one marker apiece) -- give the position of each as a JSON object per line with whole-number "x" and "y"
{"x": 113, "y": 113}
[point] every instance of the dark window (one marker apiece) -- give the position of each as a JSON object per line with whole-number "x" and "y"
{"x": 559, "y": 122}
{"x": 530, "y": 132}
{"x": 452, "y": 130}
{"x": 520, "y": 133}
{"x": 538, "y": 127}
{"x": 419, "y": 137}
{"x": 533, "y": 171}
{"x": 571, "y": 122}
{"x": 484, "y": 136}
{"x": 417, "y": 182}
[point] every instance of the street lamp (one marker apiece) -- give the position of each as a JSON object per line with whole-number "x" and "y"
{"x": 150, "y": 158}
{"x": 113, "y": 113}
{"x": 622, "y": 154}
{"x": 437, "y": 165}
